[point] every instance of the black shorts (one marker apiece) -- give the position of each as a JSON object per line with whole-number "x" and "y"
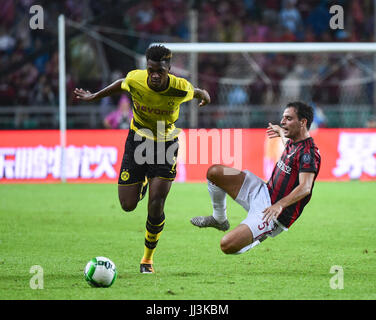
{"x": 147, "y": 158}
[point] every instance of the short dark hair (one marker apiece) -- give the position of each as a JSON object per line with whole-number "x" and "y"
{"x": 304, "y": 111}
{"x": 158, "y": 53}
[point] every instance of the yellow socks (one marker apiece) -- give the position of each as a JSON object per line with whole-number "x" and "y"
{"x": 153, "y": 232}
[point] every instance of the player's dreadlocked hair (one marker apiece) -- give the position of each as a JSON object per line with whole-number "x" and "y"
{"x": 158, "y": 53}
{"x": 303, "y": 111}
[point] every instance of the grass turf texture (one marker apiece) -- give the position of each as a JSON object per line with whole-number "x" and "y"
{"x": 61, "y": 227}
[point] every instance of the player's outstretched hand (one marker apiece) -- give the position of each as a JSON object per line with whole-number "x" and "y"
{"x": 205, "y": 99}
{"x": 273, "y": 130}
{"x": 203, "y": 95}
{"x": 85, "y": 95}
{"x": 272, "y": 212}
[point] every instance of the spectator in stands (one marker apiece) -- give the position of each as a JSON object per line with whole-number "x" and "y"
{"x": 7, "y": 92}
{"x": 351, "y": 90}
{"x": 290, "y": 16}
{"x": 237, "y": 96}
{"x": 291, "y": 85}
{"x": 222, "y": 20}
{"x": 7, "y": 12}
{"x": 318, "y": 19}
{"x": 7, "y": 42}
{"x": 121, "y": 117}
{"x": 319, "y": 119}
{"x": 43, "y": 93}
{"x": 255, "y": 32}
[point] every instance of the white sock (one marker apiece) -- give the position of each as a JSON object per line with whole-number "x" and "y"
{"x": 248, "y": 247}
{"x": 218, "y": 199}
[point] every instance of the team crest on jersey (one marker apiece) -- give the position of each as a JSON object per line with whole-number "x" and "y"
{"x": 170, "y": 103}
{"x": 306, "y": 158}
{"x": 124, "y": 176}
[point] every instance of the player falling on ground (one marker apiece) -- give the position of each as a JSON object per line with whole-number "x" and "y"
{"x": 274, "y": 206}
{"x": 152, "y": 144}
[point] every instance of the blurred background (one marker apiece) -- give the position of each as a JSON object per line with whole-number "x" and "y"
{"x": 106, "y": 38}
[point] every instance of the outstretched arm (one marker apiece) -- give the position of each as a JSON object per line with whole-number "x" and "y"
{"x": 86, "y": 95}
{"x": 203, "y": 95}
{"x": 274, "y": 131}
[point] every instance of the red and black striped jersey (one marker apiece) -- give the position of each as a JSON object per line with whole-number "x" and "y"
{"x": 301, "y": 156}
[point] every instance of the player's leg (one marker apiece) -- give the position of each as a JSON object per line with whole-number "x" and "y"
{"x": 230, "y": 180}
{"x": 161, "y": 176}
{"x": 252, "y": 194}
{"x": 221, "y": 180}
{"x": 236, "y": 239}
{"x": 131, "y": 182}
{"x": 129, "y": 195}
{"x": 158, "y": 191}
{"x": 254, "y": 197}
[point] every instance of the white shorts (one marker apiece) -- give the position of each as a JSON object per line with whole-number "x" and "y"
{"x": 254, "y": 197}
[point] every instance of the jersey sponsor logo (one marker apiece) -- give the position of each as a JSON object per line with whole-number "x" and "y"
{"x": 285, "y": 168}
{"x": 152, "y": 110}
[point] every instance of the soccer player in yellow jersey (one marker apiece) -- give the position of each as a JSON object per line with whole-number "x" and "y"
{"x": 152, "y": 144}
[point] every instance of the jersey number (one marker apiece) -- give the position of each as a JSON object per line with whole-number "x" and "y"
{"x": 262, "y": 226}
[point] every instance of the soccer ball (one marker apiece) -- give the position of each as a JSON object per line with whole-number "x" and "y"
{"x": 100, "y": 272}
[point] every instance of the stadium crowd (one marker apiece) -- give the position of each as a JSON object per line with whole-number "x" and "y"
{"x": 29, "y": 59}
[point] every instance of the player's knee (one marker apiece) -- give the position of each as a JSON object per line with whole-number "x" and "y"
{"x": 214, "y": 172}
{"x": 227, "y": 246}
{"x": 155, "y": 206}
{"x": 128, "y": 205}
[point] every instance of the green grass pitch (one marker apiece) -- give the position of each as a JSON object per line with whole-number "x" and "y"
{"x": 61, "y": 227}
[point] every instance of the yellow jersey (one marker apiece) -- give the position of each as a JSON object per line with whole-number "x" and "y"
{"x": 155, "y": 113}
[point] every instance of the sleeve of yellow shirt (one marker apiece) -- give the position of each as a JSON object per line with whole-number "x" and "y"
{"x": 187, "y": 86}
{"x": 125, "y": 83}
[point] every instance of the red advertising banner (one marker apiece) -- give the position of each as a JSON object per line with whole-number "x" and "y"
{"x": 33, "y": 156}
